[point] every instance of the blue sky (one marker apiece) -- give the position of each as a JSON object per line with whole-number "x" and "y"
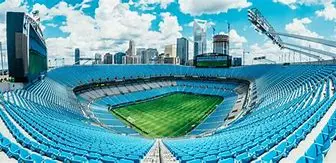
{"x": 100, "y": 26}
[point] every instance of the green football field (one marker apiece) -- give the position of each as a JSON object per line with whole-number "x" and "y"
{"x": 168, "y": 116}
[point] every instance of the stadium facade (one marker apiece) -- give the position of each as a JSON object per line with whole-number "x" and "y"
{"x": 26, "y": 48}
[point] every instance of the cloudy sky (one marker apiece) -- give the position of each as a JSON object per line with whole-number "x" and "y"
{"x": 100, "y": 26}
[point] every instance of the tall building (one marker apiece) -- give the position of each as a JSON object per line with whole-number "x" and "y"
{"x": 150, "y": 56}
{"x": 131, "y": 59}
{"x": 170, "y": 51}
{"x": 141, "y": 52}
{"x": 118, "y": 58}
{"x": 182, "y": 50}
{"x": 26, "y": 47}
{"x": 200, "y": 40}
{"x": 108, "y": 58}
{"x": 170, "y": 55}
{"x": 131, "y": 48}
{"x": 77, "y": 56}
{"x": 221, "y": 44}
{"x": 98, "y": 58}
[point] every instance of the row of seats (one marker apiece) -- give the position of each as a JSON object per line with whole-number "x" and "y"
{"x": 72, "y": 76}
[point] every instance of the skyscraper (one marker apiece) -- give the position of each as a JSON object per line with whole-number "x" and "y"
{"x": 182, "y": 50}
{"x": 131, "y": 48}
{"x": 170, "y": 50}
{"x": 118, "y": 58}
{"x": 108, "y": 58}
{"x": 170, "y": 55}
{"x": 141, "y": 52}
{"x": 150, "y": 56}
{"x": 77, "y": 56}
{"x": 200, "y": 29}
{"x": 98, "y": 58}
{"x": 221, "y": 44}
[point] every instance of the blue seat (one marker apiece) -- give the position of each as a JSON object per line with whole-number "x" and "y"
{"x": 108, "y": 159}
{"x": 186, "y": 158}
{"x": 195, "y": 161}
{"x": 314, "y": 152}
{"x": 210, "y": 159}
{"x": 65, "y": 156}
{"x": 227, "y": 160}
{"x": 281, "y": 150}
{"x": 13, "y": 151}
{"x": 269, "y": 157}
{"x": 5, "y": 144}
{"x": 125, "y": 161}
{"x": 43, "y": 149}
{"x": 24, "y": 154}
{"x": 244, "y": 158}
{"x": 36, "y": 158}
{"x": 53, "y": 153}
{"x": 257, "y": 150}
{"x": 78, "y": 159}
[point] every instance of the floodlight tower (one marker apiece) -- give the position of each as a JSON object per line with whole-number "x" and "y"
{"x": 262, "y": 26}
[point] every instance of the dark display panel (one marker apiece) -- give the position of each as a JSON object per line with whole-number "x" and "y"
{"x": 213, "y": 61}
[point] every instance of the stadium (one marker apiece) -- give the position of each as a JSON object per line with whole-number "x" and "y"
{"x": 282, "y": 110}
{"x": 165, "y": 112}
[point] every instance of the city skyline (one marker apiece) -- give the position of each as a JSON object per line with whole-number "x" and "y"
{"x": 154, "y": 24}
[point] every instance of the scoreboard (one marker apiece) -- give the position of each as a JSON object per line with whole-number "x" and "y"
{"x": 213, "y": 61}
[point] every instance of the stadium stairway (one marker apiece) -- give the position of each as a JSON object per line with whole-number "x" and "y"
{"x": 159, "y": 154}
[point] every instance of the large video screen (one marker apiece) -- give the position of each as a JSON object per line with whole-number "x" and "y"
{"x": 37, "y": 54}
{"x": 213, "y": 61}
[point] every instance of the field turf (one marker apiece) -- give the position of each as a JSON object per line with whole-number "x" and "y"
{"x": 168, "y": 116}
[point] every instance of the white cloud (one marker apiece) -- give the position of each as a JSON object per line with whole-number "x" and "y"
{"x": 109, "y": 31}
{"x": 9, "y": 5}
{"x": 146, "y": 3}
{"x": 199, "y": 7}
{"x": 293, "y": 4}
{"x": 236, "y": 39}
{"x": 299, "y": 26}
{"x": 329, "y": 11}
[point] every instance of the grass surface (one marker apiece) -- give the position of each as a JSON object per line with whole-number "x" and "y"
{"x": 168, "y": 116}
